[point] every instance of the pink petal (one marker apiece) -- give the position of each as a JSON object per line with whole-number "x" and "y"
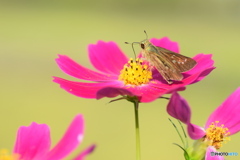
{"x": 145, "y": 93}
{"x": 86, "y": 152}
{"x": 180, "y": 84}
{"x": 33, "y": 141}
{"x": 111, "y": 92}
{"x": 107, "y": 57}
{"x": 150, "y": 93}
{"x": 203, "y": 74}
{"x": 204, "y": 65}
{"x": 166, "y": 43}
{"x": 179, "y": 108}
{"x": 203, "y": 61}
{"x": 110, "y": 89}
{"x": 69, "y": 141}
{"x": 81, "y": 89}
{"x": 208, "y": 155}
{"x": 159, "y": 82}
{"x": 195, "y": 132}
{"x": 228, "y": 113}
{"x": 76, "y": 70}
{"x": 192, "y": 78}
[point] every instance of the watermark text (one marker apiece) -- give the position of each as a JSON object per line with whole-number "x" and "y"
{"x": 224, "y": 154}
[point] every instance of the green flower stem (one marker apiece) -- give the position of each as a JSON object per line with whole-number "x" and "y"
{"x": 178, "y": 133}
{"x": 138, "y": 155}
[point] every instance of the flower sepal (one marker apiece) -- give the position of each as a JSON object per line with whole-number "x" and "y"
{"x": 132, "y": 99}
{"x": 197, "y": 151}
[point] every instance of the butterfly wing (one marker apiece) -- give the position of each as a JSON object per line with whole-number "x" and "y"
{"x": 179, "y": 62}
{"x": 166, "y": 70}
{"x": 170, "y": 64}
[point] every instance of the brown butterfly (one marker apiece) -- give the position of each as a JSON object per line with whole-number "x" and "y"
{"x": 169, "y": 64}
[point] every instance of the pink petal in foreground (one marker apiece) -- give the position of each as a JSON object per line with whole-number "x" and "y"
{"x": 204, "y": 61}
{"x": 147, "y": 92}
{"x": 144, "y": 94}
{"x": 193, "y": 78}
{"x": 150, "y": 93}
{"x": 228, "y": 113}
{"x": 204, "y": 66}
{"x": 86, "y": 152}
{"x": 204, "y": 74}
{"x": 32, "y": 141}
{"x": 69, "y": 141}
{"x": 111, "y": 92}
{"x": 195, "y": 132}
{"x": 82, "y": 89}
{"x": 107, "y": 57}
{"x": 179, "y": 108}
{"x": 74, "y": 69}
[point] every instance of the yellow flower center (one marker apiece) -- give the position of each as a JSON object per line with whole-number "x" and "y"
{"x": 216, "y": 135}
{"x": 4, "y": 155}
{"x": 135, "y": 73}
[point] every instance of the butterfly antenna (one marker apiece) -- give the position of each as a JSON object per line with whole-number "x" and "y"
{"x": 146, "y": 34}
{"x": 132, "y": 48}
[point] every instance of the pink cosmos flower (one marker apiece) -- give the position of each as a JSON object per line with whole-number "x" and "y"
{"x": 33, "y": 142}
{"x": 117, "y": 75}
{"x": 223, "y": 122}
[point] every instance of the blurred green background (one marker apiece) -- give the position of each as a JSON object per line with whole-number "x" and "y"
{"x": 32, "y": 33}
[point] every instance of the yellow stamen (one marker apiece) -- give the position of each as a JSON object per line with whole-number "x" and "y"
{"x": 4, "y": 155}
{"x": 216, "y": 135}
{"x": 135, "y": 73}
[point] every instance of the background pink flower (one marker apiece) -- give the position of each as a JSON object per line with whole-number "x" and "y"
{"x": 223, "y": 122}
{"x": 33, "y": 142}
{"x": 109, "y": 60}
{"x": 209, "y": 157}
{"x": 226, "y": 114}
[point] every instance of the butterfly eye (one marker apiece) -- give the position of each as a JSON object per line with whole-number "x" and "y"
{"x": 142, "y": 46}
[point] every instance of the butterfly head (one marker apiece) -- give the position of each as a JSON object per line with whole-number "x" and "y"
{"x": 145, "y": 44}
